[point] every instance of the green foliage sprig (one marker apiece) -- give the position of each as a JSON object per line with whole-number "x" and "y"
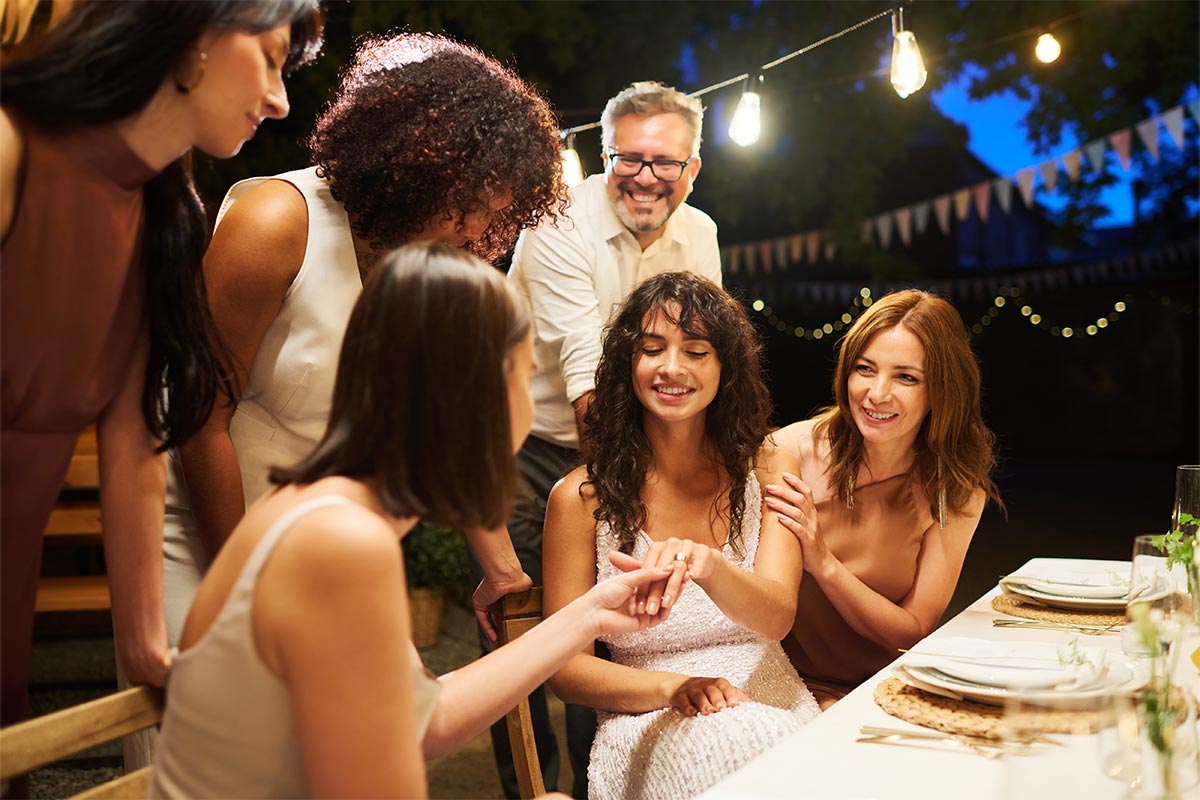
{"x": 1179, "y": 546}
{"x": 435, "y": 557}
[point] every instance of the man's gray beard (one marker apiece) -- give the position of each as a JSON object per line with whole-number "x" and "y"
{"x": 646, "y": 225}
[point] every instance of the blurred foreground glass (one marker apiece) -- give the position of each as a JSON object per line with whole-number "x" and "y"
{"x": 1154, "y": 746}
{"x": 1161, "y": 589}
{"x": 1046, "y": 751}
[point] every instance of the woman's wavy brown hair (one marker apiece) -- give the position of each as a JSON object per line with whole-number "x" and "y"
{"x": 617, "y": 451}
{"x": 953, "y": 430}
{"x": 422, "y": 128}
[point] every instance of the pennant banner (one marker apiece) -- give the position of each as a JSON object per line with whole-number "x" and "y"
{"x": 812, "y": 244}
{"x": 941, "y": 209}
{"x": 1071, "y": 162}
{"x": 1148, "y": 133}
{"x": 904, "y": 225}
{"x": 796, "y": 247}
{"x": 1025, "y": 184}
{"x": 962, "y": 204}
{"x": 983, "y": 196}
{"x": 1095, "y": 155}
{"x": 1173, "y": 121}
{"x": 1121, "y": 141}
{"x": 921, "y": 216}
{"x": 1049, "y": 170}
{"x": 780, "y": 248}
{"x": 883, "y": 228}
{"x": 764, "y": 256}
{"x": 1003, "y": 193}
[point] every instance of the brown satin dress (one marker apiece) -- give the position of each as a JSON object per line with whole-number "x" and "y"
{"x": 71, "y": 288}
{"x": 878, "y": 540}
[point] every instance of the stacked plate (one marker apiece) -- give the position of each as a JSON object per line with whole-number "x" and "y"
{"x": 1094, "y": 589}
{"x": 989, "y": 672}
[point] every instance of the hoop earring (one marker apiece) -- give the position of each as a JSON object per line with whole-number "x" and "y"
{"x": 186, "y": 88}
{"x": 941, "y": 498}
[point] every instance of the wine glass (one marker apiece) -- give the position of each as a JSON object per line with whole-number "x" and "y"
{"x": 1187, "y": 496}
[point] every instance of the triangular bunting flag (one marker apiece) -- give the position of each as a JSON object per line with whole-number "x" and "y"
{"x": 1148, "y": 133}
{"x": 1173, "y": 120}
{"x": 1025, "y": 184}
{"x": 812, "y": 246}
{"x": 1071, "y": 162}
{"x": 865, "y": 232}
{"x": 733, "y": 259}
{"x": 941, "y": 209}
{"x": 1194, "y": 107}
{"x": 983, "y": 198}
{"x": 796, "y": 247}
{"x": 1049, "y": 171}
{"x": 764, "y": 256}
{"x": 748, "y": 258}
{"x": 962, "y": 204}
{"x": 1095, "y": 154}
{"x": 1003, "y": 193}
{"x": 1121, "y": 141}
{"x": 883, "y": 228}
{"x": 830, "y": 250}
{"x": 780, "y": 246}
{"x": 921, "y": 216}
{"x": 904, "y": 225}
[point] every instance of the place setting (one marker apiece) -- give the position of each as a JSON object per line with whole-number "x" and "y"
{"x": 1083, "y": 597}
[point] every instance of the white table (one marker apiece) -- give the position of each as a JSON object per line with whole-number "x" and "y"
{"x": 824, "y": 761}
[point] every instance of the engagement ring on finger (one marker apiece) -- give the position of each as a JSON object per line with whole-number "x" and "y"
{"x": 680, "y": 557}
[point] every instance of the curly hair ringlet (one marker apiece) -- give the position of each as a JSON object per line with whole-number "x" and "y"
{"x": 425, "y": 128}
{"x": 617, "y": 451}
{"x": 952, "y": 432}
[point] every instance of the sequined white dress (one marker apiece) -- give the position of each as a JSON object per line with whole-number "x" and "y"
{"x": 663, "y": 754}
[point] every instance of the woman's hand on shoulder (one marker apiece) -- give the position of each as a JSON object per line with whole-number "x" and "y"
{"x": 703, "y": 696}
{"x": 796, "y": 509}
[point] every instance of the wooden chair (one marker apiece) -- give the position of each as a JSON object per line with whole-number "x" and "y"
{"x": 76, "y": 516}
{"x": 516, "y": 614}
{"x": 34, "y": 743}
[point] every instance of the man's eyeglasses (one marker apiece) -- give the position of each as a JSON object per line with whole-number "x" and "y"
{"x": 627, "y": 166}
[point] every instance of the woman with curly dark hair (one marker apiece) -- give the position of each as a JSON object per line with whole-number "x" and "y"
{"x": 674, "y": 442}
{"x": 102, "y": 310}
{"x": 893, "y": 481}
{"x": 426, "y": 139}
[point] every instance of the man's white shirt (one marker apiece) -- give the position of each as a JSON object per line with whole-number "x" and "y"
{"x": 576, "y": 274}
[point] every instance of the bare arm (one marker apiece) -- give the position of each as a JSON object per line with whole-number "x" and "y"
{"x": 502, "y": 572}
{"x": 763, "y": 601}
{"x": 253, "y": 259}
{"x": 483, "y": 691}
{"x": 331, "y": 618}
{"x": 10, "y": 171}
{"x": 580, "y": 405}
{"x": 569, "y": 570}
{"x": 133, "y": 481}
{"x": 870, "y": 614}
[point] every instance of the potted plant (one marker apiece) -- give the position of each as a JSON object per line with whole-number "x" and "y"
{"x": 435, "y": 561}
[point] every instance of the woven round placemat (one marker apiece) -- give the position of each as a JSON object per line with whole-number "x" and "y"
{"x": 977, "y": 719}
{"x": 1007, "y": 604}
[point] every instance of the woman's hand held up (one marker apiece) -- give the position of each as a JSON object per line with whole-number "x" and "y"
{"x": 614, "y": 601}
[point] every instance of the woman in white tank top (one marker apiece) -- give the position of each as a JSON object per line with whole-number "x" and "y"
{"x": 296, "y": 675}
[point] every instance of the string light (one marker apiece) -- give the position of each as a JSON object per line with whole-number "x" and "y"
{"x": 746, "y": 125}
{"x": 1038, "y": 321}
{"x": 1047, "y": 48}
{"x": 908, "y": 68}
{"x": 819, "y": 331}
{"x": 572, "y": 167}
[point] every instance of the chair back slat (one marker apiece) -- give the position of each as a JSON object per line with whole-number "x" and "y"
{"x": 36, "y": 742}
{"x": 517, "y": 614}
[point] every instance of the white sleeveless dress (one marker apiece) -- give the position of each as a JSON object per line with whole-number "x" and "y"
{"x": 283, "y": 410}
{"x": 229, "y": 729}
{"x": 662, "y": 754}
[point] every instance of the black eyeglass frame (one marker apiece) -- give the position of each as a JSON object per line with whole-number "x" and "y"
{"x": 613, "y": 155}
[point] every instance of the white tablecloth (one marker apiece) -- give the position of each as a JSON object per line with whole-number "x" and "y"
{"x": 824, "y": 761}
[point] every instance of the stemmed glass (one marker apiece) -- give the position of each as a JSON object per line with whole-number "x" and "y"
{"x": 1187, "y": 497}
{"x": 1153, "y": 584}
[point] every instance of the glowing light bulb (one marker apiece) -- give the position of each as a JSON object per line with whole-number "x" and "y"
{"x": 908, "y": 68}
{"x": 571, "y": 166}
{"x": 746, "y": 125}
{"x": 1047, "y": 48}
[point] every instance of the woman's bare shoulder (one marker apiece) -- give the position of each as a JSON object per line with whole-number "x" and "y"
{"x": 574, "y": 491}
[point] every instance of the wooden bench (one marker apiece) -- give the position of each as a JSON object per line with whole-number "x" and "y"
{"x": 516, "y": 615}
{"x": 77, "y": 515}
{"x": 37, "y": 742}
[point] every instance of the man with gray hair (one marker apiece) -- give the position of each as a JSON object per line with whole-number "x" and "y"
{"x": 621, "y": 227}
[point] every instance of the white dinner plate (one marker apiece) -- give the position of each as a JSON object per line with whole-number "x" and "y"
{"x": 1094, "y": 586}
{"x": 1120, "y": 676}
{"x": 1069, "y": 602}
{"x": 1033, "y": 665}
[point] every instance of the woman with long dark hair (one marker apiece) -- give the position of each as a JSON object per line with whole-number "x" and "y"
{"x": 103, "y": 312}
{"x": 675, "y": 461}
{"x": 296, "y": 675}
{"x": 892, "y": 483}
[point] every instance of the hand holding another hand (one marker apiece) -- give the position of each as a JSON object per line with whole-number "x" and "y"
{"x": 614, "y": 600}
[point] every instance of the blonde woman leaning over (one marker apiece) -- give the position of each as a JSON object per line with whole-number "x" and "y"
{"x": 296, "y": 675}
{"x": 893, "y": 480}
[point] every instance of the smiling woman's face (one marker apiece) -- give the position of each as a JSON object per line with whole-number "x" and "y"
{"x": 675, "y": 376}
{"x": 887, "y": 389}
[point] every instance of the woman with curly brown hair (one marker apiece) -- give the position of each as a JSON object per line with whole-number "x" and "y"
{"x": 892, "y": 483}
{"x": 675, "y": 458}
{"x": 426, "y": 140}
